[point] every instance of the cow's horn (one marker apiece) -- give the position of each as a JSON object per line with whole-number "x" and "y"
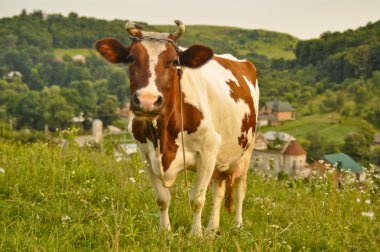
{"x": 181, "y": 29}
{"x": 132, "y": 28}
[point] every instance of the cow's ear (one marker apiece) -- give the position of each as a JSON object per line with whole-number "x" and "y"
{"x": 196, "y": 56}
{"x": 112, "y": 50}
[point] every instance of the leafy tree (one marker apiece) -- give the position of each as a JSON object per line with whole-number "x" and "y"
{"x": 357, "y": 144}
{"x": 315, "y": 150}
{"x": 57, "y": 112}
{"x": 87, "y": 103}
{"x": 107, "y": 110}
{"x": 29, "y": 111}
{"x": 375, "y": 156}
{"x": 118, "y": 84}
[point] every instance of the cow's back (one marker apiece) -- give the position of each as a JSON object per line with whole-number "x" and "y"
{"x": 226, "y": 92}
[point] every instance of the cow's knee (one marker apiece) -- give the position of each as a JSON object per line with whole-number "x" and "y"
{"x": 161, "y": 203}
{"x": 196, "y": 204}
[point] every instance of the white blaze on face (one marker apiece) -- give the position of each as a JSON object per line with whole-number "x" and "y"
{"x": 154, "y": 50}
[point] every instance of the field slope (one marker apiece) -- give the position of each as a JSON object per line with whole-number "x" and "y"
{"x": 55, "y": 198}
{"x": 331, "y": 126}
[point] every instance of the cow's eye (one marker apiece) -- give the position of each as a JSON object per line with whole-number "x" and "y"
{"x": 130, "y": 59}
{"x": 171, "y": 63}
{"x": 175, "y": 63}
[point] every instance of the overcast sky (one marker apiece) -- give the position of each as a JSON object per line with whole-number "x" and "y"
{"x": 301, "y": 18}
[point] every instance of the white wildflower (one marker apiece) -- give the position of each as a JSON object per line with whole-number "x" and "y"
{"x": 105, "y": 199}
{"x": 275, "y": 226}
{"x": 370, "y": 215}
{"x": 2, "y": 170}
{"x": 358, "y": 200}
{"x": 118, "y": 156}
{"x": 141, "y": 171}
{"x": 132, "y": 179}
{"x": 368, "y": 201}
{"x": 65, "y": 220}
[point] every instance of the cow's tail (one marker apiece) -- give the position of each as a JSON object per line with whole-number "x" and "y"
{"x": 229, "y": 194}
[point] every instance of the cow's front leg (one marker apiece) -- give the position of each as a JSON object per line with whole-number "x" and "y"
{"x": 162, "y": 199}
{"x": 197, "y": 197}
{"x": 218, "y": 191}
{"x": 205, "y": 167}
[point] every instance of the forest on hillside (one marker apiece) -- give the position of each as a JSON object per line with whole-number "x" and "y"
{"x": 339, "y": 72}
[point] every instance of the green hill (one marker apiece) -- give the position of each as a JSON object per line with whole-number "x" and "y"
{"x": 264, "y": 45}
{"x": 59, "y": 32}
{"x": 331, "y": 126}
{"x": 241, "y": 42}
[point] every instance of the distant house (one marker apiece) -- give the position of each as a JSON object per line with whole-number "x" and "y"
{"x": 376, "y": 140}
{"x": 341, "y": 162}
{"x": 278, "y": 151}
{"x": 280, "y": 111}
{"x": 267, "y": 120}
{"x": 79, "y": 58}
{"x": 13, "y": 74}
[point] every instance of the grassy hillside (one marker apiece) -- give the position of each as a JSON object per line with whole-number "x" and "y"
{"x": 331, "y": 126}
{"x": 236, "y": 41}
{"x": 248, "y": 43}
{"x": 70, "y": 199}
{"x": 74, "y": 51}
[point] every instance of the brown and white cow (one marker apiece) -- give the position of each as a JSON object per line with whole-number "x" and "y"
{"x": 220, "y": 107}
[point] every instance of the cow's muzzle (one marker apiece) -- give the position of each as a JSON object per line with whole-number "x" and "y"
{"x": 146, "y": 105}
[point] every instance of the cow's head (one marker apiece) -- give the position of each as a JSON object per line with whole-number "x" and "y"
{"x": 152, "y": 59}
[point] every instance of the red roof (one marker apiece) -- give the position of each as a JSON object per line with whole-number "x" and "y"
{"x": 294, "y": 149}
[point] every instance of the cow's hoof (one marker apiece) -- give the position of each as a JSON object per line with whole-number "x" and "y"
{"x": 238, "y": 226}
{"x": 196, "y": 232}
{"x": 212, "y": 233}
{"x": 165, "y": 229}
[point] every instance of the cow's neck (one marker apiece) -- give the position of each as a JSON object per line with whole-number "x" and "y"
{"x": 168, "y": 127}
{"x": 169, "y": 123}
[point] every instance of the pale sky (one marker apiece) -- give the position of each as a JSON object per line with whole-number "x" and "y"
{"x": 301, "y": 18}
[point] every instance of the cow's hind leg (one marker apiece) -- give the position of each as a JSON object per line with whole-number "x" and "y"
{"x": 241, "y": 188}
{"x": 218, "y": 191}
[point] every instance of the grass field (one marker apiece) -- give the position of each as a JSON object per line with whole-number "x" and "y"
{"x": 74, "y": 51}
{"x": 56, "y": 198}
{"x": 330, "y": 126}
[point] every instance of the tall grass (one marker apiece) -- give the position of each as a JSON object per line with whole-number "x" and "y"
{"x": 55, "y": 198}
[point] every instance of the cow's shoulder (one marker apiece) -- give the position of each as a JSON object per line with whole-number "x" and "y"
{"x": 241, "y": 69}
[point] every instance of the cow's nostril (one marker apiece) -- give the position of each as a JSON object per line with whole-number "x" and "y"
{"x": 158, "y": 102}
{"x": 135, "y": 99}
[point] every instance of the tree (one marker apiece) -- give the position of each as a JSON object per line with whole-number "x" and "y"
{"x": 107, "y": 110}
{"x": 375, "y": 156}
{"x": 118, "y": 85}
{"x": 29, "y": 111}
{"x": 87, "y": 102}
{"x": 315, "y": 149}
{"x": 330, "y": 100}
{"x": 357, "y": 144}
{"x": 57, "y": 112}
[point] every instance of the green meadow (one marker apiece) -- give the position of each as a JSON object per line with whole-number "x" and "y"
{"x": 61, "y": 198}
{"x": 331, "y": 126}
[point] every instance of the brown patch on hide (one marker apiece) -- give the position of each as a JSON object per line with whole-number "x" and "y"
{"x": 240, "y": 91}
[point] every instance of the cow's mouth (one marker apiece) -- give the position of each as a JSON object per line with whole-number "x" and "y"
{"x": 146, "y": 116}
